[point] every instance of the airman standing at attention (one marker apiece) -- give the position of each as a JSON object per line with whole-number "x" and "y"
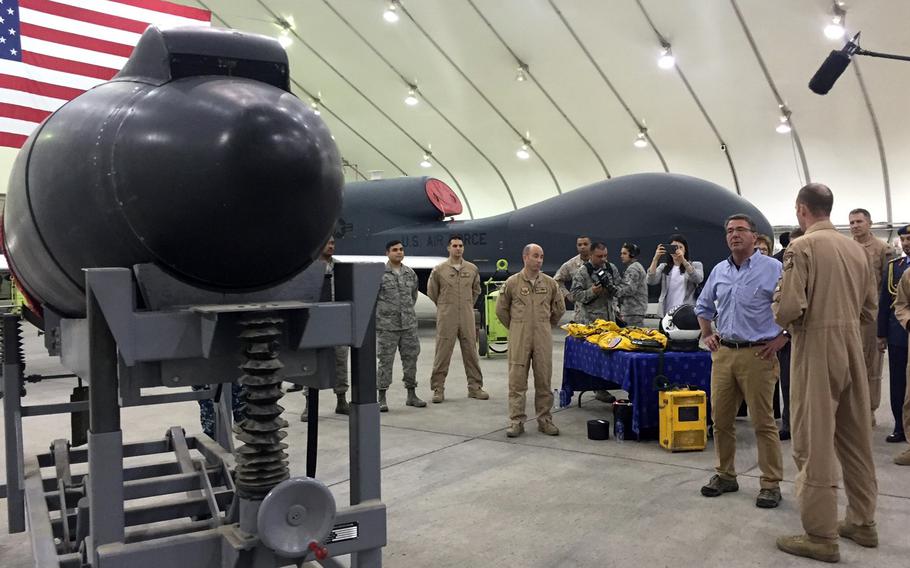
{"x": 454, "y": 287}
{"x": 396, "y": 326}
{"x": 530, "y": 304}
{"x": 823, "y": 297}
{"x": 879, "y": 253}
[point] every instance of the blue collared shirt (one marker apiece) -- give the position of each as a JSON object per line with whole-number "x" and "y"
{"x": 740, "y": 299}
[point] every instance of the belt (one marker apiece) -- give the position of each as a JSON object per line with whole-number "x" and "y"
{"x": 741, "y": 344}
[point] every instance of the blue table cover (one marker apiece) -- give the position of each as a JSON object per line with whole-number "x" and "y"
{"x": 588, "y": 367}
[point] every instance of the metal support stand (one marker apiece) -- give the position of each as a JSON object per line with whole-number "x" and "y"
{"x": 105, "y": 441}
{"x": 12, "y": 423}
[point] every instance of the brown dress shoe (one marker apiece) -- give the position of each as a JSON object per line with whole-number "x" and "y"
{"x": 803, "y": 545}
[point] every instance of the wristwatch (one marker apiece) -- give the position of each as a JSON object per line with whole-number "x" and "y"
{"x": 786, "y": 334}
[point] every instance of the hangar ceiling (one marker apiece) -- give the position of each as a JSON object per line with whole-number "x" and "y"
{"x": 593, "y": 85}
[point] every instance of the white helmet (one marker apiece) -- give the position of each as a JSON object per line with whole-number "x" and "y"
{"x": 681, "y": 324}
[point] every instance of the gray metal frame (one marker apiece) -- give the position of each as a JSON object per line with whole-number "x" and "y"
{"x": 188, "y": 337}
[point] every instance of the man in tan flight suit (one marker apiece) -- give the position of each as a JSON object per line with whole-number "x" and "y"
{"x": 902, "y": 313}
{"x": 454, "y": 287}
{"x": 879, "y": 253}
{"x": 823, "y": 295}
{"x": 529, "y": 304}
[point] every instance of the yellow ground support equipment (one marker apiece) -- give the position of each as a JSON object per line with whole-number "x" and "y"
{"x": 682, "y": 420}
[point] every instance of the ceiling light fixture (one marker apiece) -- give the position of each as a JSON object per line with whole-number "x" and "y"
{"x": 666, "y": 60}
{"x": 835, "y": 30}
{"x": 783, "y": 127}
{"x": 521, "y": 76}
{"x": 391, "y": 12}
{"x": 426, "y": 163}
{"x": 314, "y": 104}
{"x": 411, "y": 99}
{"x": 641, "y": 141}
{"x": 284, "y": 36}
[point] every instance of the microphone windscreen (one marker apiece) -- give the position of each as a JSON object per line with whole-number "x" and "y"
{"x": 829, "y": 71}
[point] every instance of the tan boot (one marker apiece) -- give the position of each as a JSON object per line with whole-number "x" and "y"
{"x": 803, "y": 545}
{"x": 439, "y": 396}
{"x": 478, "y": 393}
{"x": 902, "y": 459}
{"x": 515, "y": 430}
{"x": 547, "y": 427}
{"x": 863, "y": 535}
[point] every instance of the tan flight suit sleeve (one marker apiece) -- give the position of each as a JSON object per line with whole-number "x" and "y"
{"x": 902, "y": 303}
{"x": 504, "y": 304}
{"x": 790, "y": 297}
{"x": 870, "y": 301}
{"x": 433, "y": 286}
{"x": 557, "y": 305}
{"x": 475, "y": 287}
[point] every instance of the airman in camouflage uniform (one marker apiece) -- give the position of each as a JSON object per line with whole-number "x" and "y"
{"x": 632, "y": 290}
{"x": 207, "y": 409}
{"x": 396, "y": 325}
{"x": 593, "y": 301}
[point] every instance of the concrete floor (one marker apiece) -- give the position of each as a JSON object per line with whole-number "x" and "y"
{"x": 459, "y": 493}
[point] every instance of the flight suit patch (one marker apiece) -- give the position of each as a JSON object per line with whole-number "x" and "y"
{"x": 524, "y": 291}
{"x": 540, "y": 290}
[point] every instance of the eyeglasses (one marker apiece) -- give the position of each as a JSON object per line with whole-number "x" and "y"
{"x": 739, "y": 230}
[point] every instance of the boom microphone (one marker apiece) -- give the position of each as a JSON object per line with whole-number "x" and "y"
{"x": 832, "y": 68}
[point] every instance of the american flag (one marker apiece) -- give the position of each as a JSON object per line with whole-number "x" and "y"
{"x": 51, "y": 51}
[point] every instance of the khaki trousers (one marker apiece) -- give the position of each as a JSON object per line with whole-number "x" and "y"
{"x": 738, "y": 374}
{"x": 445, "y": 344}
{"x": 830, "y": 423}
{"x": 874, "y": 360}
{"x": 541, "y": 360}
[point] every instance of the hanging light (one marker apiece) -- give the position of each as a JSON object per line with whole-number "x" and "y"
{"x": 666, "y": 59}
{"x": 284, "y": 36}
{"x": 315, "y": 106}
{"x": 835, "y": 29}
{"x": 521, "y": 75}
{"x": 391, "y": 12}
{"x": 640, "y": 140}
{"x": 524, "y": 152}
{"x": 411, "y": 99}
{"x": 285, "y": 39}
{"x": 783, "y": 126}
{"x": 426, "y": 163}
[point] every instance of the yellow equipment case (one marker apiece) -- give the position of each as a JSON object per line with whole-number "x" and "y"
{"x": 682, "y": 420}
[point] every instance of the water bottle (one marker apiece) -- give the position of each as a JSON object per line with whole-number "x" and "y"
{"x": 620, "y": 431}
{"x": 556, "y": 400}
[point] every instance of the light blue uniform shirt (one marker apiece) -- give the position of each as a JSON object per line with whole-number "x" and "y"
{"x": 740, "y": 299}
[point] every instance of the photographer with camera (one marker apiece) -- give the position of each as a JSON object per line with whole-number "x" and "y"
{"x": 678, "y": 276}
{"x": 594, "y": 287}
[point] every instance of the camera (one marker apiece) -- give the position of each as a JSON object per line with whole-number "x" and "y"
{"x": 603, "y": 277}
{"x": 671, "y": 248}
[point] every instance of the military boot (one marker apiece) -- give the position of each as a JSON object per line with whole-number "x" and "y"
{"x": 478, "y": 393}
{"x": 342, "y": 406}
{"x": 515, "y": 430}
{"x": 439, "y": 395}
{"x": 547, "y": 427}
{"x": 383, "y": 405}
{"x": 863, "y": 535}
{"x": 414, "y": 400}
{"x": 803, "y": 545}
{"x": 902, "y": 459}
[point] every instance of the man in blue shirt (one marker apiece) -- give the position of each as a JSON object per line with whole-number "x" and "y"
{"x": 893, "y": 337}
{"x": 737, "y": 297}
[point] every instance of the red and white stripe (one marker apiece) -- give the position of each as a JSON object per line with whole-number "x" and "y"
{"x": 68, "y": 47}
